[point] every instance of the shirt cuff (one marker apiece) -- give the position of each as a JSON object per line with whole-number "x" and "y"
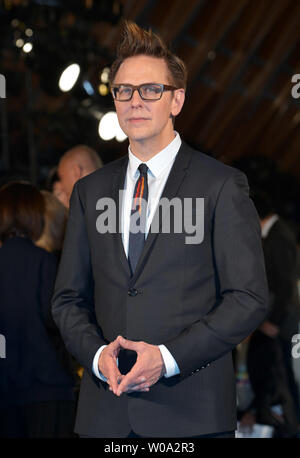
{"x": 170, "y": 363}
{"x": 95, "y": 364}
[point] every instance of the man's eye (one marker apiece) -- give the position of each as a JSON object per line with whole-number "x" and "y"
{"x": 151, "y": 89}
{"x": 124, "y": 90}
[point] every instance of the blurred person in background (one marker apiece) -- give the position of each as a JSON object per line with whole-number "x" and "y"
{"x": 51, "y": 240}
{"x": 55, "y": 218}
{"x": 54, "y": 186}
{"x": 36, "y": 390}
{"x": 76, "y": 163}
{"x": 280, "y": 251}
{"x": 269, "y": 360}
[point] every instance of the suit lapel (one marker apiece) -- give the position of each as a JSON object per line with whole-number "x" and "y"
{"x": 118, "y": 184}
{"x": 172, "y": 186}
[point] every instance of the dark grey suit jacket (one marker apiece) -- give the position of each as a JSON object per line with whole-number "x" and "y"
{"x": 198, "y": 300}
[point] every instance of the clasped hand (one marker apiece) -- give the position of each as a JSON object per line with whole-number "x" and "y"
{"x": 147, "y": 370}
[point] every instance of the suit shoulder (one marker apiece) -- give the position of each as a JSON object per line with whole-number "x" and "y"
{"x": 104, "y": 173}
{"x": 215, "y": 169}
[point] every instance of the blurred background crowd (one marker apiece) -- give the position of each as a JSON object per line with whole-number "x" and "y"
{"x": 240, "y": 109}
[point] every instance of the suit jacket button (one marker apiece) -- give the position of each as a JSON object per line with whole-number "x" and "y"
{"x": 132, "y": 292}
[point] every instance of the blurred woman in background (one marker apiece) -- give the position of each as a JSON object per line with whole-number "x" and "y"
{"x": 52, "y": 238}
{"x": 36, "y": 389}
{"x": 55, "y": 217}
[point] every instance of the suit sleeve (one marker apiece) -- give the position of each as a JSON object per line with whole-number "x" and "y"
{"x": 242, "y": 295}
{"x": 73, "y": 299}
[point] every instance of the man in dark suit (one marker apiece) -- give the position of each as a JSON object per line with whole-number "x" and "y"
{"x": 153, "y": 315}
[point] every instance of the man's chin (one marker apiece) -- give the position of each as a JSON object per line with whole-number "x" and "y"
{"x": 138, "y": 135}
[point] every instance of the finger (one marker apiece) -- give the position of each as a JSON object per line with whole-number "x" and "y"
{"x": 138, "y": 383}
{"x": 128, "y": 344}
{"x": 114, "y": 380}
{"x": 142, "y": 386}
{"x": 139, "y": 390}
{"x": 131, "y": 379}
{"x": 138, "y": 387}
{"x": 119, "y": 379}
{"x": 115, "y": 386}
{"x": 115, "y": 346}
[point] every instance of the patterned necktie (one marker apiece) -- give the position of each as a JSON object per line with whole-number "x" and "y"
{"x": 138, "y": 218}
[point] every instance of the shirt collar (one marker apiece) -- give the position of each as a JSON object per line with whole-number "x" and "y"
{"x": 267, "y": 226}
{"x": 157, "y": 163}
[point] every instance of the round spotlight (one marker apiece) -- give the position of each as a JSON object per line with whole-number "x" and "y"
{"x": 29, "y": 32}
{"x": 120, "y": 135}
{"x": 103, "y": 89}
{"x": 27, "y": 47}
{"x": 108, "y": 126}
{"x": 105, "y": 75}
{"x": 69, "y": 77}
{"x": 15, "y": 22}
{"x": 88, "y": 87}
{"x": 19, "y": 43}
{"x": 211, "y": 55}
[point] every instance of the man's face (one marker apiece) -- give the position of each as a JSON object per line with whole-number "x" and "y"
{"x": 67, "y": 176}
{"x": 147, "y": 120}
{"x": 60, "y": 194}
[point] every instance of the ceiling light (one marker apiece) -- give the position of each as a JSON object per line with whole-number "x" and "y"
{"x": 69, "y": 77}
{"x": 27, "y": 47}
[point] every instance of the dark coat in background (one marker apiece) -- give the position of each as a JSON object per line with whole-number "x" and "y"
{"x": 32, "y": 370}
{"x": 269, "y": 359}
{"x": 280, "y": 252}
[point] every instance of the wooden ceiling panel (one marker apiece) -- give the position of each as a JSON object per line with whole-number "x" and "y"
{"x": 173, "y": 17}
{"x": 286, "y": 25}
{"x": 215, "y": 66}
{"x": 277, "y": 134}
{"x": 132, "y": 9}
{"x": 240, "y": 56}
{"x": 253, "y": 19}
{"x": 218, "y": 128}
{"x": 294, "y": 58}
{"x": 199, "y": 101}
{"x": 160, "y": 12}
{"x": 208, "y": 33}
{"x": 290, "y": 160}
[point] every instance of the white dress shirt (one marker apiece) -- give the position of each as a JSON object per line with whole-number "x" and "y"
{"x": 159, "y": 168}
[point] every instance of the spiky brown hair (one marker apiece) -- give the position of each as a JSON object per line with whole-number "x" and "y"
{"x": 137, "y": 41}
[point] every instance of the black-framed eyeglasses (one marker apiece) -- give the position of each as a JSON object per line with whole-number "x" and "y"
{"x": 149, "y": 91}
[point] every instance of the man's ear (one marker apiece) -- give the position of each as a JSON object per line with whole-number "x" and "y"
{"x": 178, "y": 101}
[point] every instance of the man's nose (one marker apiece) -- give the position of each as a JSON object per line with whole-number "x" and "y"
{"x": 136, "y": 98}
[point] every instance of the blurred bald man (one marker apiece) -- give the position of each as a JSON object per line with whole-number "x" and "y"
{"x": 76, "y": 163}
